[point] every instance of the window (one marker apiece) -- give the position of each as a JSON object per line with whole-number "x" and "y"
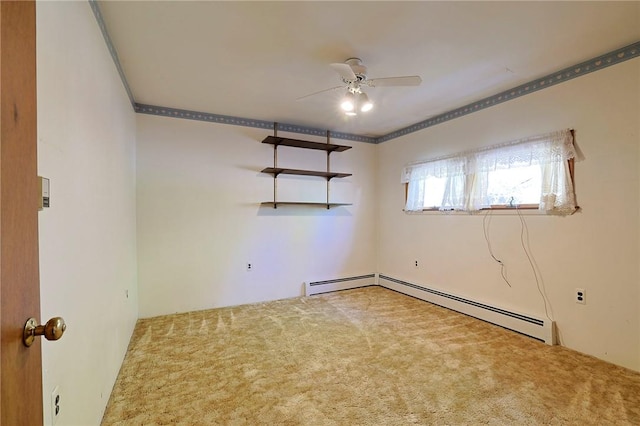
{"x": 532, "y": 172}
{"x": 517, "y": 186}
{"x": 433, "y": 197}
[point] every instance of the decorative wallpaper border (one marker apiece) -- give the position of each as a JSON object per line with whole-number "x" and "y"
{"x": 112, "y": 50}
{"x": 620, "y": 55}
{"x": 595, "y": 64}
{"x": 246, "y": 122}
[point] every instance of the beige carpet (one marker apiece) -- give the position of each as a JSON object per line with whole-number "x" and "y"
{"x": 360, "y": 357}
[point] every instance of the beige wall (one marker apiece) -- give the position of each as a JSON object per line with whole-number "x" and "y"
{"x": 199, "y": 189}
{"x": 596, "y": 249}
{"x": 86, "y": 147}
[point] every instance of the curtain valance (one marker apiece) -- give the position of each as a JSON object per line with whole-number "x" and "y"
{"x": 535, "y": 150}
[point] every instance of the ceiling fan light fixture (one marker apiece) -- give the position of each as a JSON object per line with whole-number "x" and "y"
{"x": 353, "y": 75}
{"x": 348, "y": 103}
{"x": 364, "y": 102}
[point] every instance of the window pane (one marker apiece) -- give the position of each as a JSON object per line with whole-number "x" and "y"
{"x": 520, "y": 185}
{"x": 434, "y": 191}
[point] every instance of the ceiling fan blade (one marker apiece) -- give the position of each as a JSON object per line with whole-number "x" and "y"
{"x": 344, "y": 70}
{"x": 411, "y": 80}
{"x": 321, "y": 91}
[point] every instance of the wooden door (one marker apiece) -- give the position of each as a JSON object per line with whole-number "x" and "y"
{"x": 20, "y": 367}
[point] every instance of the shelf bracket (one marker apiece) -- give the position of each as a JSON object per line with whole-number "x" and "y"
{"x": 275, "y": 166}
{"x": 328, "y": 165}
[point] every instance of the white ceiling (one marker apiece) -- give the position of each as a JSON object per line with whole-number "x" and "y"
{"x": 254, "y": 59}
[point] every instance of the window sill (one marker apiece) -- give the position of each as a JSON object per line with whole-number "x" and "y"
{"x": 514, "y": 207}
{"x": 505, "y": 211}
{"x": 525, "y": 209}
{"x": 493, "y": 207}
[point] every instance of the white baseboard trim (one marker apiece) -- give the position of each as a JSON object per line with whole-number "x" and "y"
{"x": 319, "y": 287}
{"x": 540, "y": 329}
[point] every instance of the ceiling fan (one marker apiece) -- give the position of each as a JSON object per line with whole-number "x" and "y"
{"x": 354, "y": 76}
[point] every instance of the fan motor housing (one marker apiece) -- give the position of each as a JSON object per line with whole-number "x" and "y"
{"x": 358, "y": 69}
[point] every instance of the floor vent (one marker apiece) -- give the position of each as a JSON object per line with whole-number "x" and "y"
{"x": 540, "y": 329}
{"x": 318, "y": 287}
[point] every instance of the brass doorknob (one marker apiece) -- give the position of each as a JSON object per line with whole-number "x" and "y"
{"x": 52, "y": 330}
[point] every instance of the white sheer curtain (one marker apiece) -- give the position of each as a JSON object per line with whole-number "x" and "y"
{"x": 467, "y": 173}
{"x": 558, "y": 195}
{"x": 450, "y": 169}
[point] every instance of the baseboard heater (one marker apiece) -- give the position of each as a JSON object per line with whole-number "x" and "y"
{"x": 540, "y": 329}
{"x": 318, "y": 287}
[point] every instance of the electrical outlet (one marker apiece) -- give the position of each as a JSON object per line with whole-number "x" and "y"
{"x": 416, "y": 263}
{"x": 55, "y": 405}
{"x": 581, "y": 296}
{"x": 249, "y": 267}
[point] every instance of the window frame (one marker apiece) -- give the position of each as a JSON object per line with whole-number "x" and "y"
{"x": 502, "y": 207}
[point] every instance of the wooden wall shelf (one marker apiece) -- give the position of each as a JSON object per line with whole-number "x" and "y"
{"x": 328, "y": 147}
{"x": 278, "y": 171}
{"x": 302, "y": 203}
{"x": 297, "y": 143}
